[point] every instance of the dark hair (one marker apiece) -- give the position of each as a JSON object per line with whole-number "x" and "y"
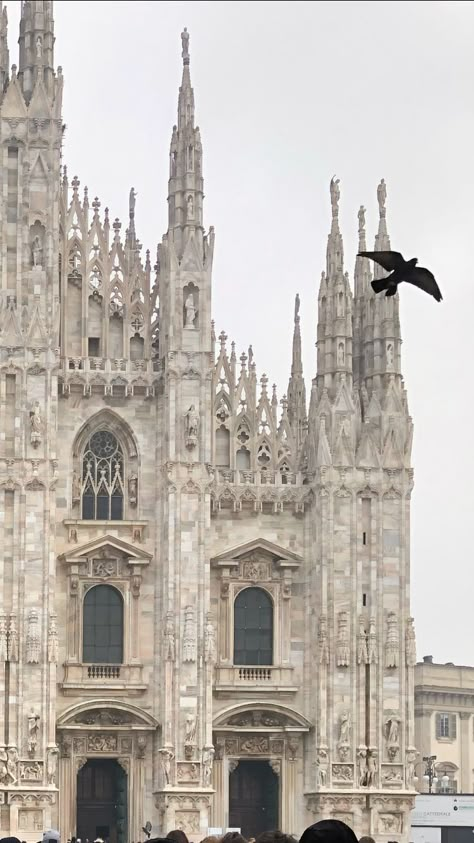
{"x": 366, "y": 839}
{"x": 275, "y": 837}
{"x": 328, "y": 831}
{"x": 177, "y": 836}
{"x": 233, "y": 837}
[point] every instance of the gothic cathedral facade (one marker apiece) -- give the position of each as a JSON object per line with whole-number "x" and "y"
{"x": 204, "y": 592}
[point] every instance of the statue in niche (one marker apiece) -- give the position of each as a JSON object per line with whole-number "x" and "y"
{"x": 345, "y": 728}
{"x": 371, "y": 767}
{"x": 207, "y": 761}
{"x": 52, "y": 764}
{"x": 3, "y": 765}
{"x": 190, "y": 213}
{"x": 190, "y": 729}
{"x": 167, "y": 756}
{"x": 39, "y": 47}
{"x": 209, "y": 640}
{"x": 389, "y": 354}
{"x": 36, "y": 425}
{"x": 12, "y": 764}
{"x": 190, "y": 312}
{"x": 169, "y": 638}
{"x": 411, "y": 759}
{"x": 392, "y": 730}
{"x": 340, "y": 354}
{"x": 133, "y": 489}
{"x": 33, "y": 730}
{"x": 76, "y": 487}
{"x": 37, "y": 251}
{"x": 191, "y": 426}
{"x": 362, "y": 762}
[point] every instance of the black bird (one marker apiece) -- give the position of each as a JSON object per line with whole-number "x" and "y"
{"x": 402, "y": 270}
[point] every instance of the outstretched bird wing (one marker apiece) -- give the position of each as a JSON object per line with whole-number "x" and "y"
{"x": 389, "y": 260}
{"x": 425, "y": 280}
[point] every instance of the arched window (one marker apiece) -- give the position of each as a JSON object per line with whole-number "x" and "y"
{"x": 253, "y": 627}
{"x": 102, "y": 628}
{"x": 102, "y": 478}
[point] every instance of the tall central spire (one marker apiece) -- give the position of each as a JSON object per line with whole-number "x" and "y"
{"x": 296, "y": 385}
{"x": 185, "y": 191}
{"x": 36, "y": 45}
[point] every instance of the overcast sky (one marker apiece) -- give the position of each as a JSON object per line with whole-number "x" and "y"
{"x": 288, "y": 94}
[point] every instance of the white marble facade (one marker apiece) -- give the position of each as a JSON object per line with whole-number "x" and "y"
{"x": 220, "y": 487}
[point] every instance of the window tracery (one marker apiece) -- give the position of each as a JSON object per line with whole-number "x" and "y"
{"x": 103, "y": 478}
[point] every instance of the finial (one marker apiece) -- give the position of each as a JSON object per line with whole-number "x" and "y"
{"x": 232, "y": 355}
{"x": 86, "y": 196}
{"x": 65, "y": 181}
{"x": 75, "y": 184}
{"x": 106, "y": 216}
{"x": 274, "y": 394}
{"x": 14, "y": 69}
{"x": 131, "y": 203}
{"x": 284, "y": 403}
{"x": 147, "y": 259}
{"x": 117, "y": 225}
{"x": 297, "y": 308}
{"x": 264, "y": 381}
{"x": 185, "y": 45}
{"x": 243, "y": 360}
{"x": 222, "y": 339}
{"x": 213, "y": 330}
{"x": 95, "y": 206}
{"x": 381, "y": 197}
{"x": 335, "y": 194}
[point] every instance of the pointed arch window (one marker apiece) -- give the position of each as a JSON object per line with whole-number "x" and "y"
{"x": 102, "y": 626}
{"x": 253, "y": 627}
{"x": 102, "y": 478}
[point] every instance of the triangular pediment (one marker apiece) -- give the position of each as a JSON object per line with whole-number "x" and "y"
{"x": 13, "y": 104}
{"x": 192, "y": 257}
{"x": 108, "y": 545}
{"x": 367, "y": 454}
{"x": 39, "y": 104}
{"x": 261, "y": 547}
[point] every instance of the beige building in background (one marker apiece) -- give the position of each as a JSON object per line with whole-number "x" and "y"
{"x": 444, "y": 724}
{"x": 204, "y": 589}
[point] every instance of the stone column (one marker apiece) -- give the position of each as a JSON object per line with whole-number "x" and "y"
{"x": 219, "y": 784}
{"x": 464, "y": 786}
{"x": 288, "y": 802}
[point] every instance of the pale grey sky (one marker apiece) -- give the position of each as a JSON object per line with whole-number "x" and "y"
{"x": 288, "y": 94}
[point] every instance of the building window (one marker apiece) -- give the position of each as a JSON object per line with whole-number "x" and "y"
{"x": 446, "y": 726}
{"x": 253, "y": 628}
{"x": 102, "y": 478}
{"x": 102, "y": 628}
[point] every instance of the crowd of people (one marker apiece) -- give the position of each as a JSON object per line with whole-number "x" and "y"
{"x": 325, "y": 831}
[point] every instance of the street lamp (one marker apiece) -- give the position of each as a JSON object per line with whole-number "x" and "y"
{"x": 430, "y": 772}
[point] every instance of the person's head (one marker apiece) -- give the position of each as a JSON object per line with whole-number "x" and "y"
{"x": 51, "y": 836}
{"x": 9, "y": 840}
{"x": 212, "y": 839}
{"x": 366, "y": 839}
{"x": 233, "y": 837}
{"x": 328, "y": 831}
{"x": 275, "y": 837}
{"x": 177, "y": 836}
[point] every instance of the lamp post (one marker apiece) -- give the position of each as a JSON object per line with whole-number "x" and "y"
{"x": 430, "y": 774}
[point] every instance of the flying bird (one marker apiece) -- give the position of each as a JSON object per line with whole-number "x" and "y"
{"x": 402, "y": 270}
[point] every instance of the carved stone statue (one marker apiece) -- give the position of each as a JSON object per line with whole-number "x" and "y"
{"x": 345, "y": 728}
{"x": 76, "y": 487}
{"x": 372, "y": 643}
{"x": 169, "y": 638}
{"x": 33, "y": 730}
{"x": 362, "y": 654}
{"x": 133, "y": 490}
{"x": 53, "y": 643}
{"x": 323, "y": 640}
{"x": 297, "y": 307}
{"x": 410, "y": 643}
{"x": 190, "y": 729}
{"x": 189, "y": 312}
{"x": 209, "y": 640}
{"x": 362, "y": 763}
{"x": 36, "y": 425}
{"x": 189, "y": 635}
{"x": 361, "y": 218}
{"x": 382, "y": 196}
{"x": 52, "y": 764}
{"x": 185, "y": 43}
{"x": 12, "y": 765}
{"x": 190, "y": 211}
{"x": 33, "y": 641}
{"x": 340, "y": 354}
{"x": 207, "y": 761}
{"x": 3, "y": 638}
{"x": 335, "y": 194}
{"x": 131, "y": 202}
{"x": 371, "y": 767}
{"x": 39, "y": 47}
{"x": 392, "y": 730}
{"x": 393, "y": 641}
{"x": 343, "y": 649}
{"x": 12, "y": 639}
{"x": 411, "y": 756}
{"x": 37, "y": 251}
{"x": 191, "y": 420}
{"x": 167, "y": 756}
{"x": 3, "y": 765}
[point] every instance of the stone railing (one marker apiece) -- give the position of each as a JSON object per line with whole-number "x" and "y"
{"x": 265, "y": 678}
{"x": 111, "y": 376}
{"x": 116, "y": 677}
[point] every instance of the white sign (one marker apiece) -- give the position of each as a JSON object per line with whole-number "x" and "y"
{"x": 215, "y": 832}
{"x": 233, "y": 829}
{"x": 438, "y": 810}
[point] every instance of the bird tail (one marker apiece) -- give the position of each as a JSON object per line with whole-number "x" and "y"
{"x": 379, "y": 285}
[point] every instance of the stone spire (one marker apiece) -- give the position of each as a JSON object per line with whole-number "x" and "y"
{"x": 362, "y": 289}
{"x": 36, "y": 45}
{"x": 185, "y": 188}
{"x": 386, "y": 319}
{"x": 334, "y": 341}
{"x": 296, "y": 386}
{"x": 4, "y": 55}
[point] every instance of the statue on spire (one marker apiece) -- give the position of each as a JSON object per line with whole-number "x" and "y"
{"x": 131, "y": 202}
{"x": 297, "y": 307}
{"x": 185, "y": 43}
{"x": 361, "y": 218}
{"x": 335, "y": 194}
{"x": 381, "y": 197}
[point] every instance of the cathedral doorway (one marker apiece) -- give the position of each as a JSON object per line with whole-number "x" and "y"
{"x": 253, "y": 798}
{"x": 102, "y": 801}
